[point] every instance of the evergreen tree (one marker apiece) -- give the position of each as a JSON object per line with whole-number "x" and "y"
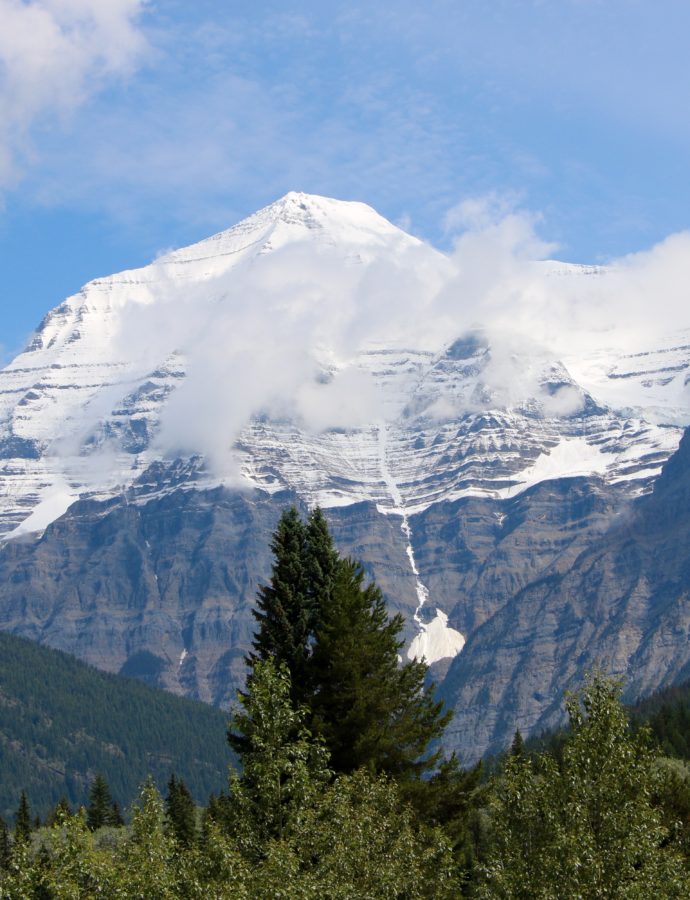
{"x": 5, "y": 846}
{"x": 22, "y": 822}
{"x": 341, "y": 651}
{"x": 371, "y": 710}
{"x": 100, "y": 809}
{"x": 288, "y": 608}
{"x": 116, "y": 817}
{"x": 321, "y": 565}
{"x": 283, "y": 613}
{"x": 217, "y": 811}
{"x": 181, "y": 812}
{"x": 517, "y": 748}
{"x": 451, "y": 799}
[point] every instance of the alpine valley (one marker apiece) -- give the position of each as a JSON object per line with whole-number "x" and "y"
{"x": 526, "y": 507}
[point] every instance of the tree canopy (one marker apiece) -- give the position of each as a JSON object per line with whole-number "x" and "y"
{"x": 589, "y": 826}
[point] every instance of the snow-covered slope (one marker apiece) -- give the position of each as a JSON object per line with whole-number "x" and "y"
{"x": 316, "y": 346}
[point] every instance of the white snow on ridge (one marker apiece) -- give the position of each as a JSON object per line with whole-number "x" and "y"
{"x": 286, "y": 349}
{"x": 570, "y": 458}
{"x": 55, "y": 500}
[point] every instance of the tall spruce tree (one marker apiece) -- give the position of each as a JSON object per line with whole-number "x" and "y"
{"x": 372, "y": 711}
{"x": 100, "y": 809}
{"x": 341, "y": 652}
{"x": 22, "y": 821}
{"x": 517, "y": 748}
{"x": 321, "y": 565}
{"x": 282, "y": 611}
{"x": 180, "y": 812}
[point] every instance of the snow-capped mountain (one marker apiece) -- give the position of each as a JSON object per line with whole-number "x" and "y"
{"x": 317, "y": 349}
{"x": 81, "y": 409}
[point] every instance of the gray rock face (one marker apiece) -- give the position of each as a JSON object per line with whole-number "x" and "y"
{"x": 621, "y": 604}
{"x": 569, "y": 574}
{"x": 163, "y": 590}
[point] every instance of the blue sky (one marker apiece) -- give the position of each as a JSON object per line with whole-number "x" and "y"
{"x": 127, "y": 128}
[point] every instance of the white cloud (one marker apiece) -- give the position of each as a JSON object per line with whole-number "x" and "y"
{"x": 280, "y": 333}
{"x": 53, "y": 55}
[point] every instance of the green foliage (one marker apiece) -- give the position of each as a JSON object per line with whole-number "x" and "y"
{"x": 180, "y": 812}
{"x": 100, "y": 810}
{"x": 451, "y": 799}
{"x": 517, "y": 748}
{"x": 61, "y": 721}
{"x": 372, "y": 711}
{"x": 321, "y": 565}
{"x": 283, "y": 614}
{"x": 5, "y": 845}
{"x": 22, "y": 821}
{"x": 360, "y": 840}
{"x": 673, "y": 799}
{"x": 341, "y": 650}
{"x": 282, "y": 766}
{"x": 667, "y": 714}
{"x": 586, "y": 828}
{"x": 147, "y": 861}
{"x": 59, "y": 811}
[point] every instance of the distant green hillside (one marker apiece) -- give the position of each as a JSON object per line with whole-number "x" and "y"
{"x": 62, "y": 721}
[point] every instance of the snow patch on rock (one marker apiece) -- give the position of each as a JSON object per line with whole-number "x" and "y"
{"x": 436, "y": 640}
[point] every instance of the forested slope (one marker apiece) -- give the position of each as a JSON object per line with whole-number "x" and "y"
{"x": 62, "y": 721}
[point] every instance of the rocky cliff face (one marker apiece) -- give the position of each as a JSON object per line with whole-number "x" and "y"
{"x": 621, "y": 603}
{"x": 568, "y": 575}
{"x": 163, "y": 590}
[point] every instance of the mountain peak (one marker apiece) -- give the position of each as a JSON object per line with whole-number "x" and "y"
{"x": 315, "y": 212}
{"x": 297, "y": 217}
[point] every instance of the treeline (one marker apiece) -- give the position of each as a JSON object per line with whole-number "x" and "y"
{"x": 340, "y": 794}
{"x": 62, "y": 721}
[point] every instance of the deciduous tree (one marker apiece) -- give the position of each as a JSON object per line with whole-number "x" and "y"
{"x": 586, "y": 827}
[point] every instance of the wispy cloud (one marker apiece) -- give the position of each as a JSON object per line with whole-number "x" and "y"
{"x": 280, "y": 334}
{"x": 54, "y": 54}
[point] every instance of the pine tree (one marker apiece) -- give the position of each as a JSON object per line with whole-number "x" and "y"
{"x": 321, "y": 565}
{"x": 116, "y": 817}
{"x": 282, "y": 610}
{"x": 341, "y": 652}
{"x": 302, "y": 578}
{"x": 517, "y": 748}
{"x": 22, "y": 822}
{"x": 181, "y": 812}
{"x": 371, "y": 711}
{"x": 100, "y": 809}
{"x": 5, "y": 846}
